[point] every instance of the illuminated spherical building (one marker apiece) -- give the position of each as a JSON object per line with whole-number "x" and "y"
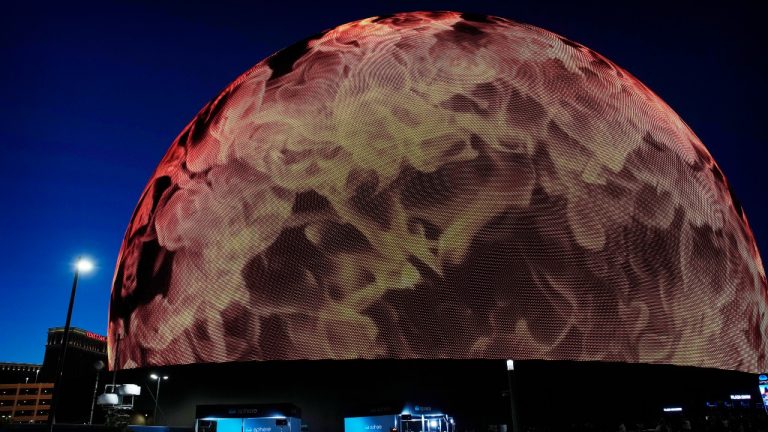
{"x": 432, "y": 185}
{"x": 439, "y": 186}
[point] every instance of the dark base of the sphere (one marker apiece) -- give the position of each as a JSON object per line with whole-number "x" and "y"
{"x": 549, "y": 395}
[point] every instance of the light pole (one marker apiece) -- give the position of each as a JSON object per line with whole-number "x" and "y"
{"x": 82, "y": 265}
{"x": 99, "y": 365}
{"x": 157, "y": 394}
{"x": 512, "y": 396}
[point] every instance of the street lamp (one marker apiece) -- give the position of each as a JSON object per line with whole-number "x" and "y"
{"x": 83, "y": 265}
{"x": 157, "y": 393}
{"x": 512, "y": 396}
{"x": 99, "y": 365}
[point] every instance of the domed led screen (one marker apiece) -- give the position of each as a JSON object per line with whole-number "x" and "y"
{"x": 438, "y": 185}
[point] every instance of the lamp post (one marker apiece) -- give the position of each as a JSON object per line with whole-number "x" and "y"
{"x": 157, "y": 378}
{"x": 512, "y": 402}
{"x": 99, "y": 365}
{"x": 82, "y": 265}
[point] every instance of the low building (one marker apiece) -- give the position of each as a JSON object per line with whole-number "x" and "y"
{"x": 25, "y": 402}
{"x": 13, "y": 373}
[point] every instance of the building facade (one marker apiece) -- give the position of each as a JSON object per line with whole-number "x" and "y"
{"x": 26, "y": 390}
{"x": 13, "y": 373}
{"x": 25, "y": 402}
{"x": 83, "y": 345}
{"x": 23, "y": 399}
{"x": 85, "y": 350}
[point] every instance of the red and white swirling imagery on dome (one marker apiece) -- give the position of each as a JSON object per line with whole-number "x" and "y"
{"x": 438, "y": 185}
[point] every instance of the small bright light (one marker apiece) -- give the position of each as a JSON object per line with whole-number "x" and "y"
{"x": 510, "y": 365}
{"x": 165, "y": 377}
{"x": 84, "y": 265}
{"x": 740, "y": 397}
{"x": 673, "y": 409}
{"x": 433, "y": 423}
{"x": 153, "y": 376}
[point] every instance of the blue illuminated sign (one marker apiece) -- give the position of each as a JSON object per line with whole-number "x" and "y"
{"x": 421, "y": 410}
{"x": 229, "y": 425}
{"x": 763, "y": 386}
{"x": 383, "y": 423}
{"x": 270, "y": 425}
{"x": 261, "y": 424}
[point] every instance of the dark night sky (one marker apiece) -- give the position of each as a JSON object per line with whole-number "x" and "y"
{"x": 93, "y": 94}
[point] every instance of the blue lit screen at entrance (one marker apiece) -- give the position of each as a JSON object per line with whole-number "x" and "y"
{"x": 369, "y": 424}
{"x": 229, "y": 425}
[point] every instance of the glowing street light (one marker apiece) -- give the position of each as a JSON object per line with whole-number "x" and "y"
{"x": 82, "y": 265}
{"x": 157, "y": 393}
